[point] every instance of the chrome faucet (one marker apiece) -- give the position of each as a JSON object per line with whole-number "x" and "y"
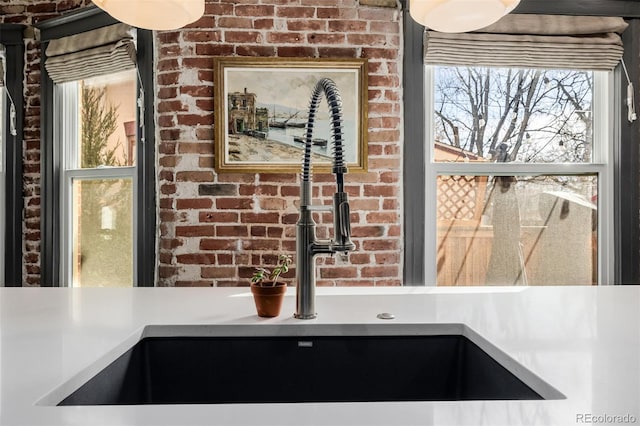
{"x": 307, "y": 246}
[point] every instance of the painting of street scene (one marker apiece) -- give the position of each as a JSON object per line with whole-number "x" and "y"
{"x": 263, "y": 108}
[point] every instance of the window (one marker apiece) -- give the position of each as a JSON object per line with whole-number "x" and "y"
{"x": 98, "y": 127}
{"x": 519, "y": 158}
{"x": 98, "y": 180}
{"x": 620, "y": 221}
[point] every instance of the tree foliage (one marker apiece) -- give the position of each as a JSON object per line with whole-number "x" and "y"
{"x": 539, "y": 115}
{"x": 99, "y": 122}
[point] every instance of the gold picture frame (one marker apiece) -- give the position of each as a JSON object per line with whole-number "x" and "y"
{"x": 261, "y": 106}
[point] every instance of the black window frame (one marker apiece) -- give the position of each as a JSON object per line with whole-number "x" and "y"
{"x": 626, "y": 161}
{"x": 82, "y": 20}
{"x": 11, "y": 37}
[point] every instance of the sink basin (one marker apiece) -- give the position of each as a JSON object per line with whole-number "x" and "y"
{"x": 308, "y": 363}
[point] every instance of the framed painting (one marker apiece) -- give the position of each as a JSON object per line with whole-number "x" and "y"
{"x": 261, "y": 108}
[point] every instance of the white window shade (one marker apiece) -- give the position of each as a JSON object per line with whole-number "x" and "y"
{"x": 533, "y": 41}
{"x": 99, "y": 52}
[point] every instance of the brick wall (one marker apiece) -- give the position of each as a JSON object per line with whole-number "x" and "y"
{"x": 215, "y": 228}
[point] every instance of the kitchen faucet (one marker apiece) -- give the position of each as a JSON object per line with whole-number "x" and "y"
{"x": 307, "y": 246}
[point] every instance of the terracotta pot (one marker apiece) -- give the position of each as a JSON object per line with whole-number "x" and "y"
{"x": 268, "y": 298}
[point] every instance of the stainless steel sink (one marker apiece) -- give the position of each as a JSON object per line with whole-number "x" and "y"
{"x": 308, "y": 363}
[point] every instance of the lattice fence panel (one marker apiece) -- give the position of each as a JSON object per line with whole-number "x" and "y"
{"x": 461, "y": 197}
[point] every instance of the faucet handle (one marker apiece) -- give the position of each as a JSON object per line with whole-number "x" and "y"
{"x": 345, "y": 220}
{"x": 342, "y": 223}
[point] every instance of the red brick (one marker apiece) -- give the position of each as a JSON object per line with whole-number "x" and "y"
{"x": 359, "y": 258}
{"x": 198, "y": 63}
{"x": 217, "y": 9}
{"x": 387, "y": 258}
{"x": 219, "y": 272}
{"x": 195, "y": 231}
{"x": 168, "y": 189}
{"x": 232, "y": 231}
{"x": 380, "y": 190}
{"x": 260, "y": 217}
{"x": 339, "y": 272}
{"x": 217, "y": 244}
{"x": 384, "y": 81}
{"x": 234, "y": 203}
{"x": 202, "y": 36}
{"x": 380, "y": 271}
{"x": 307, "y": 25}
{"x": 194, "y": 176}
{"x": 195, "y": 119}
{"x": 367, "y": 231}
{"x": 329, "y": 38}
{"x": 364, "y": 204}
{"x": 195, "y": 148}
{"x": 296, "y": 52}
{"x": 218, "y": 217}
{"x": 379, "y": 53}
{"x": 390, "y": 204}
{"x": 278, "y": 177}
{"x": 169, "y": 161}
{"x": 274, "y": 232}
{"x": 169, "y": 106}
{"x": 270, "y": 190}
{"x": 41, "y": 7}
{"x": 385, "y": 27}
{"x": 384, "y": 163}
{"x": 168, "y": 65}
{"x": 204, "y": 104}
{"x": 258, "y": 231}
{"x": 196, "y": 258}
{"x": 380, "y": 245}
{"x": 263, "y": 24}
{"x": 346, "y": 26}
{"x": 336, "y": 12}
{"x": 256, "y": 50}
{"x": 261, "y": 244}
{"x": 295, "y": 12}
{"x": 284, "y": 37}
{"x": 205, "y": 162}
{"x": 166, "y": 79}
{"x": 167, "y": 271}
{"x": 213, "y": 49}
{"x": 377, "y": 217}
{"x": 273, "y": 204}
{"x": 254, "y": 10}
{"x": 337, "y": 52}
{"x": 193, "y": 203}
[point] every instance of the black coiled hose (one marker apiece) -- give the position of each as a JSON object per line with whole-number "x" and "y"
{"x": 330, "y": 90}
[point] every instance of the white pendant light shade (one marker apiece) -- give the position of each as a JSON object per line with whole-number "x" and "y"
{"x": 154, "y": 14}
{"x": 459, "y": 16}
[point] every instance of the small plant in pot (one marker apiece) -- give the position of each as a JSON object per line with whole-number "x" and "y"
{"x": 267, "y": 292}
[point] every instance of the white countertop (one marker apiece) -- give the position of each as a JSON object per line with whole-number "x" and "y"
{"x": 584, "y": 341}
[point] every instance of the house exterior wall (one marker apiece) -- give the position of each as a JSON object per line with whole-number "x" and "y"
{"x": 214, "y": 229}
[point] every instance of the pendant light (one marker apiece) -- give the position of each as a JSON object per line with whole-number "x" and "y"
{"x": 459, "y": 16}
{"x": 154, "y": 14}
